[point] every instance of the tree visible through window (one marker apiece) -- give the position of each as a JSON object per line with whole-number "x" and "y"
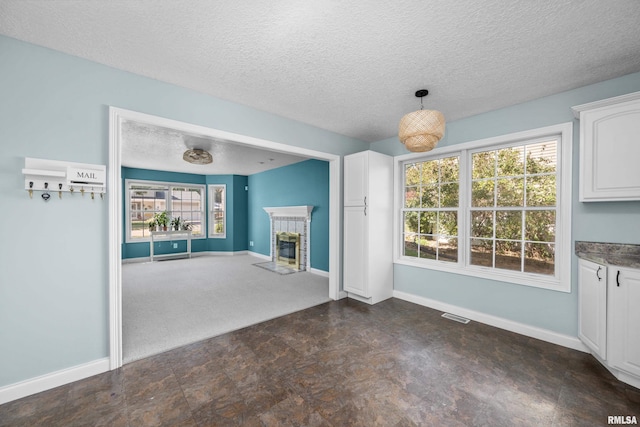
{"x": 217, "y": 208}
{"x": 513, "y": 208}
{"x": 431, "y": 209}
{"x": 510, "y": 206}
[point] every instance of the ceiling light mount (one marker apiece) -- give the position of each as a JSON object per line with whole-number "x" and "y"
{"x": 421, "y": 130}
{"x": 197, "y": 156}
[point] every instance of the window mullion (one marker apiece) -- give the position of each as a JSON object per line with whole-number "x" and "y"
{"x": 464, "y": 204}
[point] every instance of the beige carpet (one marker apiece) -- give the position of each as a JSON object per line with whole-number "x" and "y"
{"x": 167, "y": 304}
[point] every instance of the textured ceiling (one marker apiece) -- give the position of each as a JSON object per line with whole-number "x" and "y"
{"x": 349, "y": 67}
{"x": 153, "y": 147}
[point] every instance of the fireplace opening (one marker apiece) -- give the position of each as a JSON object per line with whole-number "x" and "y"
{"x": 288, "y": 249}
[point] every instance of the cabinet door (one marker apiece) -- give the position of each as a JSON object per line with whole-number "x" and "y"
{"x": 356, "y": 179}
{"x": 610, "y": 149}
{"x": 624, "y": 317}
{"x": 592, "y": 306}
{"x": 355, "y": 251}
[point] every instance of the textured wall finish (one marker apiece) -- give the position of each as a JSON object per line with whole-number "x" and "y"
{"x": 349, "y": 67}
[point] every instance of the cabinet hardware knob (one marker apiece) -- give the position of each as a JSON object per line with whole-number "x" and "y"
{"x": 365, "y": 200}
{"x": 618, "y": 278}
{"x": 365, "y": 211}
{"x": 598, "y": 275}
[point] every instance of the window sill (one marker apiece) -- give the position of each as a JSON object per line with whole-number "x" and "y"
{"x": 524, "y": 279}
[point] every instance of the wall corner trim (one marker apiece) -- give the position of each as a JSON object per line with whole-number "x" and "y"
{"x": 499, "y": 322}
{"x": 52, "y": 380}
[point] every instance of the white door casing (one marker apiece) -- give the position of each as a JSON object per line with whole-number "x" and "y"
{"x": 116, "y": 117}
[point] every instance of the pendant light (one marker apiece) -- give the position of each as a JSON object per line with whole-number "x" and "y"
{"x": 421, "y": 130}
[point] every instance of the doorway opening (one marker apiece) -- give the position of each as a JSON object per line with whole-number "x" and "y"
{"x": 116, "y": 118}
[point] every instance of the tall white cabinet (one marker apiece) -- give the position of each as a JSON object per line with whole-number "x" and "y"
{"x": 610, "y": 149}
{"x": 368, "y": 226}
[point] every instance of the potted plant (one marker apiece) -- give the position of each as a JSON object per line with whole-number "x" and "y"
{"x": 152, "y": 224}
{"x": 175, "y": 224}
{"x": 185, "y": 226}
{"x": 162, "y": 219}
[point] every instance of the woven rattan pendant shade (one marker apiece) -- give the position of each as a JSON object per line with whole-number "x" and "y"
{"x": 421, "y": 130}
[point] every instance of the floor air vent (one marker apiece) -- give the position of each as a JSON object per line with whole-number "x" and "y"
{"x": 455, "y": 318}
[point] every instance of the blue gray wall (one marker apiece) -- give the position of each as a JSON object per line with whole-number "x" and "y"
{"x": 617, "y": 222}
{"x": 54, "y": 275}
{"x": 301, "y": 184}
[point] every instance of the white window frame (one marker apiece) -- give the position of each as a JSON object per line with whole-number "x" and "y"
{"x": 561, "y": 281}
{"x": 456, "y": 209}
{"x": 212, "y": 233}
{"x": 168, "y": 184}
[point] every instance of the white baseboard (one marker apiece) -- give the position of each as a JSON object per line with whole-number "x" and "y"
{"x": 498, "y": 322}
{"x": 193, "y": 255}
{"x": 311, "y": 270}
{"x": 319, "y": 272}
{"x": 52, "y": 380}
{"x": 261, "y": 256}
{"x": 134, "y": 260}
{"x": 219, "y": 253}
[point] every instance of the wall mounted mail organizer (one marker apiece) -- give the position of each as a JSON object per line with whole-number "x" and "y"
{"x": 53, "y": 176}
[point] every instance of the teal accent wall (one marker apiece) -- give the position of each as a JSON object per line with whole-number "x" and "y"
{"x": 240, "y": 218}
{"x": 304, "y": 183}
{"x": 616, "y": 222}
{"x": 54, "y": 296}
{"x": 236, "y": 236}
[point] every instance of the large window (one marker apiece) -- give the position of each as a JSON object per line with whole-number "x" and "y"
{"x": 431, "y": 209}
{"x": 217, "y": 210}
{"x": 183, "y": 203}
{"x": 513, "y": 208}
{"x": 494, "y": 208}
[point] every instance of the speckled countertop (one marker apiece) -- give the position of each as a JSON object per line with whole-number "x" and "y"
{"x": 618, "y": 254}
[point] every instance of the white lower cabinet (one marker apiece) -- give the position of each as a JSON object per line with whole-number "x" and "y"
{"x": 592, "y": 314}
{"x": 609, "y": 319}
{"x": 356, "y": 242}
{"x": 624, "y": 319}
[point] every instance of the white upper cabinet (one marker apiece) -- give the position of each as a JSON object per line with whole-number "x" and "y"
{"x": 356, "y": 179}
{"x": 610, "y": 149}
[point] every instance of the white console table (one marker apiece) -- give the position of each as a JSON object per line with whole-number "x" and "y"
{"x": 157, "y": 236}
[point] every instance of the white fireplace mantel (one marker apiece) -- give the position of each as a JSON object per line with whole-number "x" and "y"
{"x": 291, "y": 211}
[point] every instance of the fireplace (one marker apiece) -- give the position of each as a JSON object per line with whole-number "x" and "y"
{"x": 288, "y": 249}
{"x": 290, "y": 236}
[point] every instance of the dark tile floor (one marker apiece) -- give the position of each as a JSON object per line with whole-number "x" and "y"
{"x": 345, "y": 364}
